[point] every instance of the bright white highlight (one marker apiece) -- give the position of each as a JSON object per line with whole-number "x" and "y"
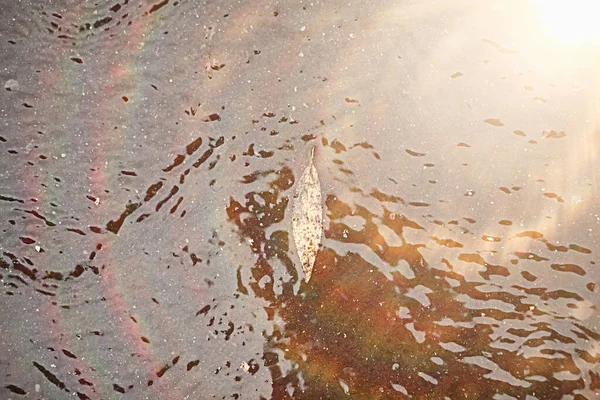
{"x": 570, "y": 21}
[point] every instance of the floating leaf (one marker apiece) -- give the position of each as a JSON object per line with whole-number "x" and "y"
{"x": 307, "y": 220}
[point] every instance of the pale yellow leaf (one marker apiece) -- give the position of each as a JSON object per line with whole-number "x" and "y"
{"x": 307, "y": 219}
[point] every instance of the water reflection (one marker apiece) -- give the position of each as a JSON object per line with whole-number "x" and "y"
{"x": 147, "y": 182}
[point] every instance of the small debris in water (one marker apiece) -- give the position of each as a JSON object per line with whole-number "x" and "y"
{"x": 12, "y": 85}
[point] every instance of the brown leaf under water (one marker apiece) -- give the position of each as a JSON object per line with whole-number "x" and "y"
{"x": 493, "y": 121}
{"x": 307, "y": 220}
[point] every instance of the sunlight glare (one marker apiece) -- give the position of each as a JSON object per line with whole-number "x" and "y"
{"x": 570, "y": 21}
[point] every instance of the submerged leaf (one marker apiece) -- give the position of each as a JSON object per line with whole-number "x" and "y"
{"x": 307, "y": 220}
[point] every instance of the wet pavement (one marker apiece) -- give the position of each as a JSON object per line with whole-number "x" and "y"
{"x": 149, "y": 155}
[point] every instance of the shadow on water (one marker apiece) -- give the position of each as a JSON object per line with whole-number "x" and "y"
{"x": 409, "y": 321}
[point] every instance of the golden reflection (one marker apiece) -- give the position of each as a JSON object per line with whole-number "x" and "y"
{"x": 570, "y": 21}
